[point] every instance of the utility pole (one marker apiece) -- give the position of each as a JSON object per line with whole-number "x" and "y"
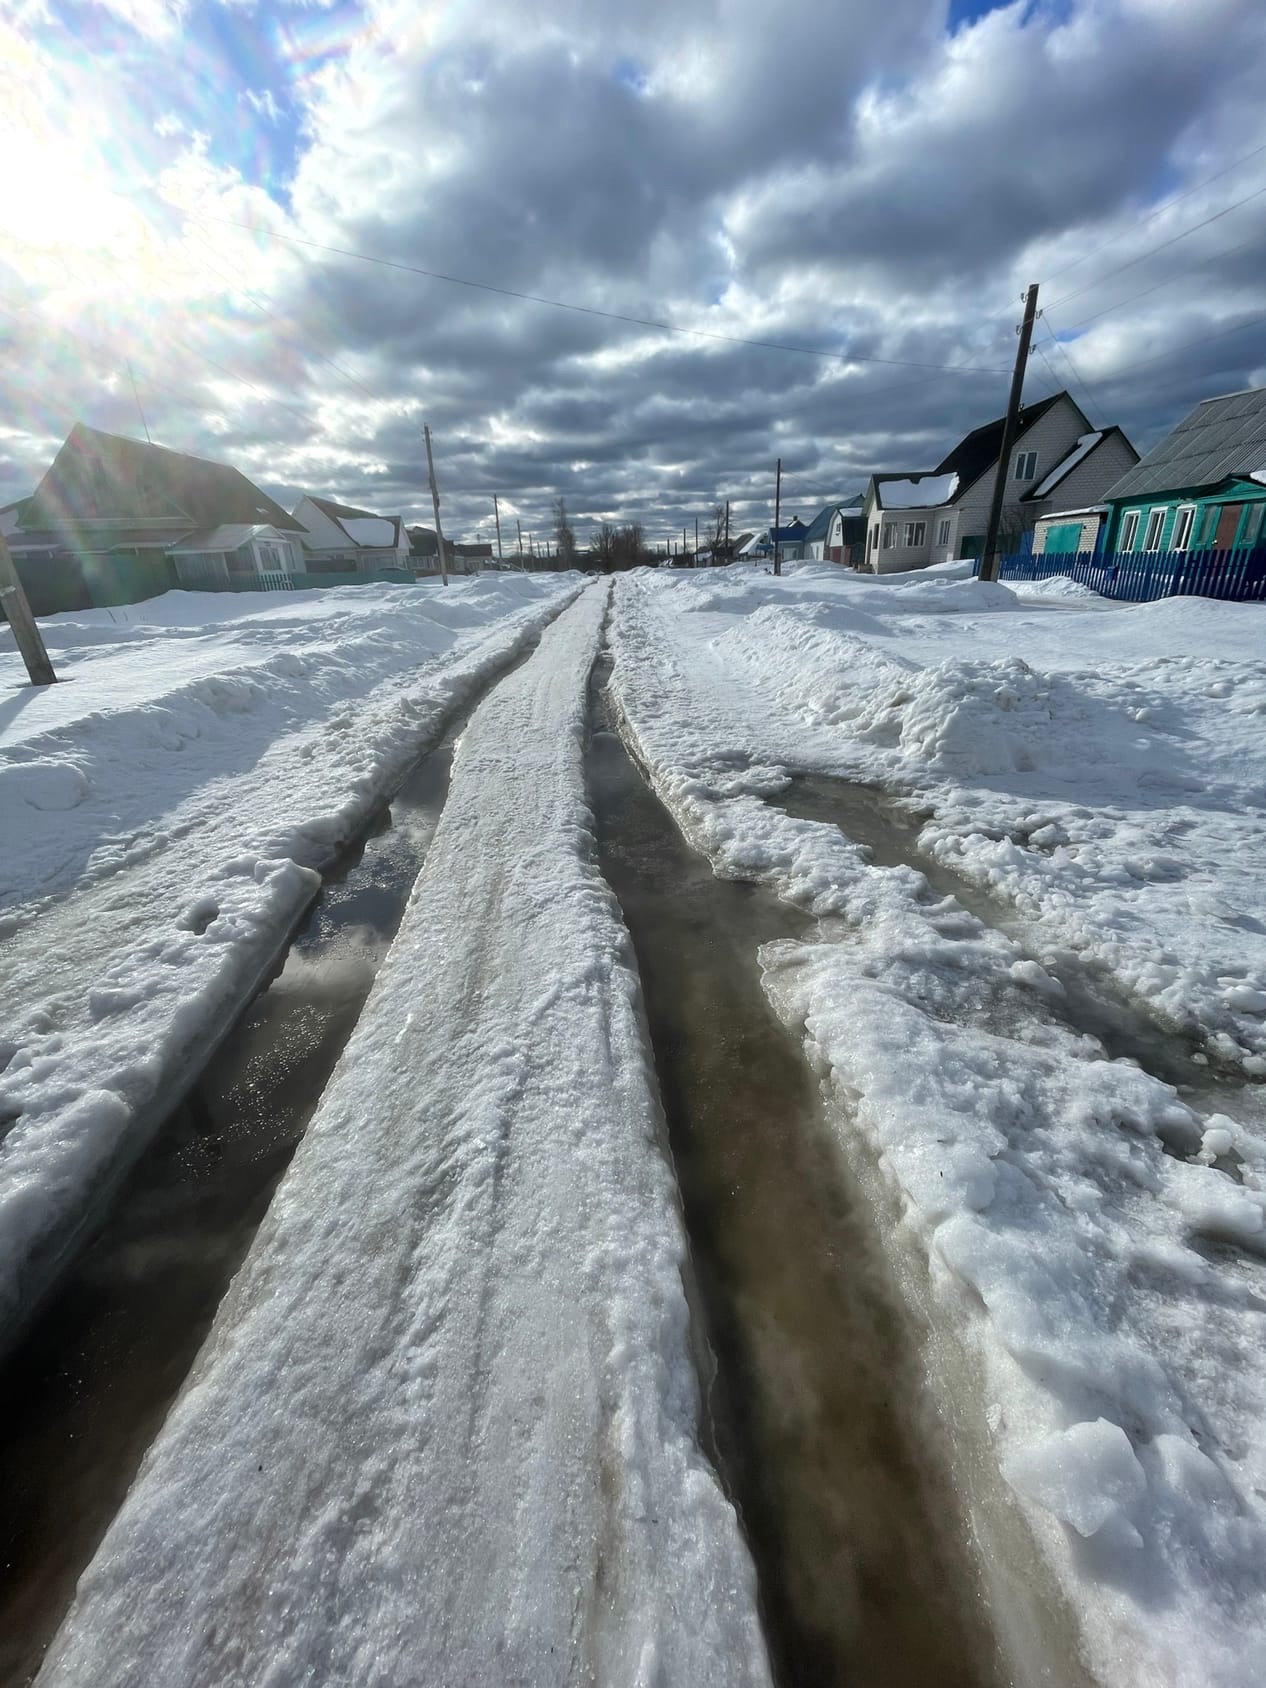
{"x": 518, "y": 524}
{"x": 777, "y": 515}
{"x": 29, "y": 639}
{"x": 496, "y": 516}
{"x": 989, "y": 559}
{"x": 435, "y": 503}
{"x": 696, "y": 542}
{"x": 727, "y": 531}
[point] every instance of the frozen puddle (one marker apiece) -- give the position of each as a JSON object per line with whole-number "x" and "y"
{"x": 87, "y": 1390}
{"x": 818, "y": 1415}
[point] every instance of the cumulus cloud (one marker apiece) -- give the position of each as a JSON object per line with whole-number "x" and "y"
{"x": 866, "y": 183}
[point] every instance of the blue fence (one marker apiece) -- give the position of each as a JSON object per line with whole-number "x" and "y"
{"x": 1141, "y": 576}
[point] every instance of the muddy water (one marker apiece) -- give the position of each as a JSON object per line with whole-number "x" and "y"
{"x": 813, "y": 1403}
{"x": 84, "y": 1395}
{"x": 1089, "y": 1005}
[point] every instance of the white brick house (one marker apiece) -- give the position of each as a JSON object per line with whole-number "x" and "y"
{"x": 339, "y": 536}
{"x": 913, "y": 520}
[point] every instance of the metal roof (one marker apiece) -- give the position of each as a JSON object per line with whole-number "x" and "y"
{"x": 1221, "y": 437}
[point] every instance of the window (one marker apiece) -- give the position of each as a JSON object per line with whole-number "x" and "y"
{"x": 1025, "y": 465}
{"x": 1208, "y": 525}
{"x": 1129, "y": 534}
{"x": 1155, "y": 523}
{"x": 1182, "y": 527}
{"x": 916, "y": 532}
{"x": 872, "y": 538}
{"x": 890, "y": 535}
{"x": 942, "y": 532}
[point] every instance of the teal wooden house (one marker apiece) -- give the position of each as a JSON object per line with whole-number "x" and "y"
{"x": 1203, "y": 488}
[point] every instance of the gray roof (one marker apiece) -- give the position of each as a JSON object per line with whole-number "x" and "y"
{"x": 1222, "y": 437}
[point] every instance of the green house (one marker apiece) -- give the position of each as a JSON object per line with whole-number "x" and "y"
{"x": 1203, "y": 488}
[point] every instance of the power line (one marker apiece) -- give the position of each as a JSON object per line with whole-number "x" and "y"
{"x": 585, "y": 310}
{"x": 1170, "y": 351}
{"x": 1178, "y": 275}
{"x": 1151, "y": 217}
{"x": 1160, "y": 247}
{"x": 1092, "y": 402}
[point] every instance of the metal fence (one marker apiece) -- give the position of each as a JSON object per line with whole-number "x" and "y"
{"x": 1141, "y": 576}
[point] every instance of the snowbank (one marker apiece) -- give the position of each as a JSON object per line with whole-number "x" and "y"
{"x": 1088, "y": 1242}
{"x": 166, "y": 812}
{"x": 444, "y": 1429}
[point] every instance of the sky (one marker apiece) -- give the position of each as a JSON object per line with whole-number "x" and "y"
{"x": 196, "y": 189}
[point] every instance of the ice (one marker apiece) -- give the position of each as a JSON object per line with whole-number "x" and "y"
{"x": 445, "y": 1427}
{"x": 1085, "y": 1242}
{"x": 165, "y": 814}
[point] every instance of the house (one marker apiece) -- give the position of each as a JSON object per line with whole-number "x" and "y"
{"x": 922, "y": 517}
{"x": 115, "y": 520}
{"x": 1069, "y": 532}
{"x": 1202, "y": 488}
{"x": 790, "y": 542}
{"x": 341, "y": 537}
{"x": 836, "y": 528}
{"x": 459, "y": 556}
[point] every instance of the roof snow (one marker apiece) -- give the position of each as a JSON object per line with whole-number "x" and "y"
{"x": 369, "y": 530}
{"x": 920, "y": 492}
{"x": 1085, "y": 445}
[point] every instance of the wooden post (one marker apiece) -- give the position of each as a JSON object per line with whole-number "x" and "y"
{"x": 496, "y": 516}
{"x": 435, "y": 503}
{"x": 777, "y": 515}
{"x": 696, "y": 542}
{"x": 989, "y": 559}
{"x": 519, "y": 525}
{"x": 30, "y": 641}
{"x": 728, "y": 557}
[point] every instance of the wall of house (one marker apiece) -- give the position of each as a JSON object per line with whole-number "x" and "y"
{"x": 1091, "y": 479}
{"x": 322, "y": 533}
{"x": 1052, "y": 437}
{"x": 1207, "y": 507}
{"x": 1087, "y": 533}
{"x": 900, "y": 556}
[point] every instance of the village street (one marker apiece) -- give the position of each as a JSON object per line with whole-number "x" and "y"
{"x": 800, "y": 1157}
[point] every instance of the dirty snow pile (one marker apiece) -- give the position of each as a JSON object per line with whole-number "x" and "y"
{"x": 445, "y": 1427}
{"x": 1087, "y": 1241}
{"x": 165, "y": 812}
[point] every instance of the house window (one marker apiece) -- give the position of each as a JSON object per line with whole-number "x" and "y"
{"x": 890, "y": 535}
{"x": 916, "y": 532}
{"x": 1155, "y": 525}
{"x": 1129, "y": 531}
{"x": 1025, "y": 465}
{"x": 942, "y": 532}
{"x": 872, "y": 537}
{"x": 1183, "y": 525}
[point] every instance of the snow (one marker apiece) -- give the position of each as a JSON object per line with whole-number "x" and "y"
{"x": 1085, "y": 1242}
{"x": 166, "y": 813}
{"x": 921, "y": 492}
{"x": 445, "y": 1427}
{"x": 369, "y": 530}
{"x": 1085, "y": 445}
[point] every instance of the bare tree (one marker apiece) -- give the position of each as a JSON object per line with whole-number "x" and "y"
{"x": 564, "y": 534}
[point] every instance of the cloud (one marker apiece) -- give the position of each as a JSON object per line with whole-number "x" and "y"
{"x": 861, "y": 181}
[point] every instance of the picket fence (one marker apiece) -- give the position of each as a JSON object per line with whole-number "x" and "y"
{"x": 1139, "y": 577}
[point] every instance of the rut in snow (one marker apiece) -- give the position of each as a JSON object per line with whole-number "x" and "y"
{"x": 88, "y": 1388}
{"x": 1088, "y": 1004}
{"x": 818, "y": 1419}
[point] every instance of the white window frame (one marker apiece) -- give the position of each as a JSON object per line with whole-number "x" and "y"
{"x": 916, "y": 533}
{"x": 1155, "y": 527}
{"x": 1025, "y": 466}
{"x": 1184, "y": 528}
{"x": 943, "y": 531}
{"x": 1127, "y": 539}
{"x": 889, "y": 536}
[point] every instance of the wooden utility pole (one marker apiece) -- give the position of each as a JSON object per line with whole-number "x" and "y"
{"x": 696, "y": 542}
{"x": 435, "y": 503}
{"x": 989, "y": 558}
{"x": 777, "y": 515}
{"x": 727, "y": 531}
{"x": 519, "y": 525}
{"x": 496, "y": 516}
{"x": 30, "y": 641}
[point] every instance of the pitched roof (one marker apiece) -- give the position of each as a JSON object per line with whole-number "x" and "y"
{"x": 99, "y": 477}
{"x": 820, "y": 526}
{"x": 914, "y": 491}
{"x": 978, "y": 451}
{"x": 365, "y": 528}
{"x": 1221, "y": 437}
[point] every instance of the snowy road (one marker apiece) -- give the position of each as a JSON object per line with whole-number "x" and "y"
{"x": 444, "y": 1430}
{"x": 164, "y": 811}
